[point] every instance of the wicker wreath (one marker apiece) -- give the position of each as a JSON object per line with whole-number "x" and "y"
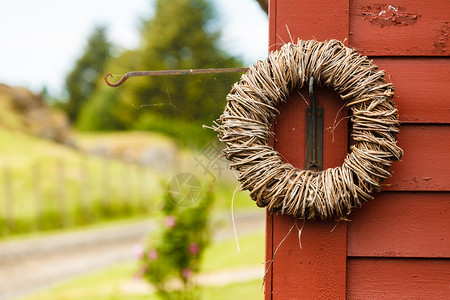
{"x": 251, "y": 109}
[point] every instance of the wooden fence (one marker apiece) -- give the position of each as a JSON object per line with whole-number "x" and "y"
{"x": 62, "y": 193}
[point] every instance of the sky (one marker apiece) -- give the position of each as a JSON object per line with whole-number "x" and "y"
{"x": 40, "y": 40}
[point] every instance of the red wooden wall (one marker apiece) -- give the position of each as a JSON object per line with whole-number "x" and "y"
{"x": 398, "y": 245}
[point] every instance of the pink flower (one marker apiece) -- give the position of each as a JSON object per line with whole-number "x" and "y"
{"x": 194, "y": 248}
{"x": 187, "y": 273}
{"x": 138, "y": 250}
{"x": 140, "y": 273}
{"x": 170, "y": 221}
{"x": 152, "y": 254}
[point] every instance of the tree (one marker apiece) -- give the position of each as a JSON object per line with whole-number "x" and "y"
{"x": 180, "y": 36}
{"x": 101, "y": 112}
{"x": 82, "y": 81}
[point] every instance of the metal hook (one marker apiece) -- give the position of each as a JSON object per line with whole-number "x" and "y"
{"x": 314, "y": 123}
{"x": 312, "y": 95}
{"x": 122, "y": 80}
{"x": 173, "y": 72}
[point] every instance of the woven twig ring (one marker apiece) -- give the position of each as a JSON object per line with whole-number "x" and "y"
{"x": 251, "y": 109}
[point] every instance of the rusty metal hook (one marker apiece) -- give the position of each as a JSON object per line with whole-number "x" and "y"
{"x": 122, "y": 80}
{"x": 173, "y": 72}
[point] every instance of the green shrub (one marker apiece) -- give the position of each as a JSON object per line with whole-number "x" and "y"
{"x": 187, "y": 133}
{"x": 173, "y": 254}
{"x": 101, "y": 112}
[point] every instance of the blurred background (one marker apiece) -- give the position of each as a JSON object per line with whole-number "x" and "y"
{"x": 119, "y": 193}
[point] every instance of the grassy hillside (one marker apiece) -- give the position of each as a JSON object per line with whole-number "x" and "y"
{"x": 53, "y": 177}
{"x": 45, "y": 185}
{"x": 25, "y": 112}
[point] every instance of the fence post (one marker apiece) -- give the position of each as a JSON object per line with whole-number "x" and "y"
{"x": 84, "y": 189}
{"x": 37, "y": 191}
{"x": 9, "y": 208}
{"x": 61, "y": 187}
{"x": 126, "y": 185}
{"x": 106, "y": 187}
{"x": 141, "y": 185}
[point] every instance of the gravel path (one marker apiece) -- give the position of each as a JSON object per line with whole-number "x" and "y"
{"x": 36, "y": 263}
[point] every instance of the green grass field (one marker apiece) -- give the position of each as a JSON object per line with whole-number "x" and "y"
{"x": 111, "y": 283}
{"x": 46, "y": 186}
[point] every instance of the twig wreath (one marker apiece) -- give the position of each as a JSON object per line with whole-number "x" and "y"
{"x": 251, "y": 109}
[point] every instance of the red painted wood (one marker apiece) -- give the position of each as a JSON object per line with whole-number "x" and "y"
{"x": 422, "y": 88}
{"x": 401, "y": 224}
{"x": 268, "y": 278}
{"x": 400, "y": 27}
{"x": 290, "y": 128}
{"x": 426, "y": 279}
{"x": 425, "y": 164}
{"x": 317, "y": 271}
{"x": 272, "y": 24}
{"x": 309, "y": 19}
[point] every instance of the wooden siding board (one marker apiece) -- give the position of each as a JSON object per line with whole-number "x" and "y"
{"x": 400, "y": 27}
{"x": 311, "y": 19}
{"x": 372, "y": 278}
{"x": 425, "y": 164}
{"x": 401, "y": 224}
{"x": 317, "y": 269}
{"x": 422, "y": 88}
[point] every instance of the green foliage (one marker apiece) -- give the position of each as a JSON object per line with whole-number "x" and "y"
{"x": 180, "y": 35}
{"x": 174, "y": 255}
{"x": 102, "y": 112}
{"x": 190, "y": 134}
{"x": 83, "y": 79}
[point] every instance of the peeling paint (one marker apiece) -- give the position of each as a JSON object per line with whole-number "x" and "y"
{"x": 441, "y": 43}
{"x": 388, "y": 15}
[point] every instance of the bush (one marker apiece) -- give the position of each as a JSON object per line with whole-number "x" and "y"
{"x": 187, "y": 133}
{"x": 101, "y": 112}
{"x": 172, "y": 256}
